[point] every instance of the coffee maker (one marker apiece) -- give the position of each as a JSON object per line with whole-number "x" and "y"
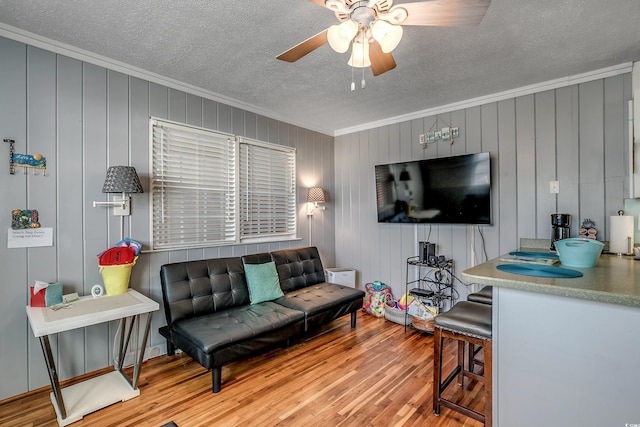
{"x": 560, "y": 224}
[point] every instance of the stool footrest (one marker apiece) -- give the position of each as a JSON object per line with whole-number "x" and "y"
{"x": 462, "y": 409}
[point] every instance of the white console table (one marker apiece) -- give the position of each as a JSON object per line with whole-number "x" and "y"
{"x": 74, "y": 402}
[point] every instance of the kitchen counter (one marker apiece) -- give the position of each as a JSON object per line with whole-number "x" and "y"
{"x": 615, "y": 279}
{"x": 565, "y": 351}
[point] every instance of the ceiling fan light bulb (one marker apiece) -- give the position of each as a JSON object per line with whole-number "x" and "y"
{"x": 386, "y": 34}
{"x": 339, "y": 36}
{"x": 360, "y": 55}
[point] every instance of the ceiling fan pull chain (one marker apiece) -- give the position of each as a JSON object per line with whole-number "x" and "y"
{"x": 362, "y": 83}
{"x": 353, "y": 82}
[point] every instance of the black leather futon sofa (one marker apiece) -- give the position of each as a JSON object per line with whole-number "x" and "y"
{"x": 216, "y": 313}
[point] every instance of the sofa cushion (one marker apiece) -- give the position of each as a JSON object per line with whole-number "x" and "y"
{"x": 298, "y": 268}
{"x": 214, "y": 331}
{"x": 193, "y": 288}
{"x": 323, "y": 296}
{"x": 263, "y": 282}
{"x": 259, "y": 258}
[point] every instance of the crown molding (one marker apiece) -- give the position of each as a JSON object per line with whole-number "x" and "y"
{"x": 512, "y": 93}
{"x": 35, "y": 40}
{"x": 73, "y": 52}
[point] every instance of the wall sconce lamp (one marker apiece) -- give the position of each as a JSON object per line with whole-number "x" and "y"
{"x": 315, "y": 195}
{"x": 120, "y": 179}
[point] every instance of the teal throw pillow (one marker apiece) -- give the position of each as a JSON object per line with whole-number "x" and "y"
{"x": 263, "y": 282}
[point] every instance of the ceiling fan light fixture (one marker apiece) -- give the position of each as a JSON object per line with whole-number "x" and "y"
{"x": 360, "y": 55}
{"x": 339, "y": 36}
{"x": 375, "y": 51}
{"x": 386, "y": 34}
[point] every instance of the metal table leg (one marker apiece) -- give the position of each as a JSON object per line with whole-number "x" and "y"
{"x": 124, "y": 345}
{"x": 138, "y": 364}
{"x": 53, "y": 375}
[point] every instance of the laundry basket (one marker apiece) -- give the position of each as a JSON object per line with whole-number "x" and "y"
{"x": 116, "y": 277}
{"x": 396, "y": 315}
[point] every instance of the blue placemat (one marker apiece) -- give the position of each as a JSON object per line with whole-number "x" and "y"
{"x": 544, "y": 255}
{"x": 539, "y": 270}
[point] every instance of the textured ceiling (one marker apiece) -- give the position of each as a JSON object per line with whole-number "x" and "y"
{"x": 228, "y": 47}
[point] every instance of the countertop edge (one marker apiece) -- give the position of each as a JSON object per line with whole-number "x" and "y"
{"x": 586, "y": 294}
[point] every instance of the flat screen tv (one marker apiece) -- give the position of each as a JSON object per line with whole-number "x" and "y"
{"x": 446, "y": 190}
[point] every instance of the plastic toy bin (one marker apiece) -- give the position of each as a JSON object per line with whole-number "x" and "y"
{"x": 116, "y": 277}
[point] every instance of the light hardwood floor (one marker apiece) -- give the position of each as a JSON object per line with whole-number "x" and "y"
{"x": 374, "y": 375}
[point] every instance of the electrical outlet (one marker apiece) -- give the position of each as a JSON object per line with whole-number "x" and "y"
{"x": 455, "y": 132}
{"x": 554, "y": 187}
{"x": 423, "y": 138}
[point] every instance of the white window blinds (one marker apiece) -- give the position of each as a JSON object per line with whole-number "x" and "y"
{"x": 267, "y": 197}
{"x": 211, "y": 188}
{"x": 193, "y": 185}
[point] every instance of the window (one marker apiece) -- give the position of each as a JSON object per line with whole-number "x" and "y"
{"x": 267, "y": 191}
{"x": 211, "y": 188}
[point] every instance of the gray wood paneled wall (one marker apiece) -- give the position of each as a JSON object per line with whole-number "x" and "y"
{"x": 84, "y": 118}
{"x": 577, "y": 135}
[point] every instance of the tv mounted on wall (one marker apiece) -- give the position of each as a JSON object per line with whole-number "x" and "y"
{"x": 446, "y": 190}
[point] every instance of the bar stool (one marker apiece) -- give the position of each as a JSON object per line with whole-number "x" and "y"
{"x": 483, "y": 296}
{"x": 468, "y": 323}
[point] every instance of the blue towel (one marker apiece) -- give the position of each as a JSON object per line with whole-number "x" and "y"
{"x": 539, "y": 270}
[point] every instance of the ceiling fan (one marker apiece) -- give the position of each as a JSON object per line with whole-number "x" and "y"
{"x": 373, "y": 28}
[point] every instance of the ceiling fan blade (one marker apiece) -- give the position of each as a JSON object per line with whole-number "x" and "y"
{"x": 307, "y": 46}
{"x": 337, "y": 6}
{"x": 445, "y": 13}
{"x": 318, "y": 2}
{"x": 380, "y": 62}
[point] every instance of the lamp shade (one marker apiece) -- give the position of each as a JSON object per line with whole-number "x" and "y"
{"x": 404, "y": 176}
{"x": 386, "y": 34}
{"x": 122, "y": 179}
{"x": 360, "y": 54}
{"x": 339, "y": 36}
{"x": 316, "y": 194}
